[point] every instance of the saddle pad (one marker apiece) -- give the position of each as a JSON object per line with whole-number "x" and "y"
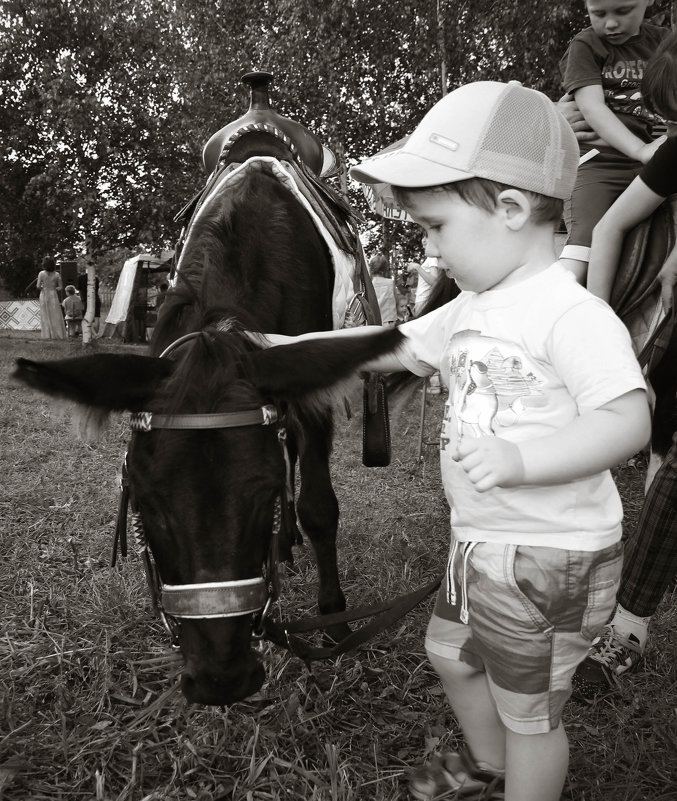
{"x": 346, "y": 266}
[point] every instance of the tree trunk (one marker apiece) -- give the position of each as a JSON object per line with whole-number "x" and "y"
{"x": 90, "y": 314}
{"x": 441, "y": 47}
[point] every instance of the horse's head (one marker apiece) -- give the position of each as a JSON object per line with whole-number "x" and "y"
{"x": 206, "y": 496}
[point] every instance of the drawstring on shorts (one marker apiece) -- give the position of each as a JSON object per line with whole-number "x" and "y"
{"x": 466, "y": 549}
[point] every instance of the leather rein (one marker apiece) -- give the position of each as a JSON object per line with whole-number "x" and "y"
{"x": 252, "y": 596}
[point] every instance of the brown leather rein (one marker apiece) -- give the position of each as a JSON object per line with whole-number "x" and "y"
{"x": 252, "y": 596}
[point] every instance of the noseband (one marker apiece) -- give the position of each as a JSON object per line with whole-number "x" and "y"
{"x": 214, "y": 599}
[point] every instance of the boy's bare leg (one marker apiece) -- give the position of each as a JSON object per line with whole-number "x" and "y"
{"x": 578, "y": 268}
{"x": 475, "y": 710}
{"x": 536, "y": 765}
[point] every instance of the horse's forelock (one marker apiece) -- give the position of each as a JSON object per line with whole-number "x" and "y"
{"x": 208, "y": 370}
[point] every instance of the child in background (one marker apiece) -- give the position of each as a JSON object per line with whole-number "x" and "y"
{"x": 651, "y": 552}
{"x": 655, "y": 182}
{"x": 72, "y": 306}
{"x": 602, "y": 69}
{"x": 545, "y": 395}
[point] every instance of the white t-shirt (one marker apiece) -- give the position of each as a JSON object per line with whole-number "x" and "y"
{"x": 522, "y": 362}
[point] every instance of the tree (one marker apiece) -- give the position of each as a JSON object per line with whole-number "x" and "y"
{"x": 105, "y": 106}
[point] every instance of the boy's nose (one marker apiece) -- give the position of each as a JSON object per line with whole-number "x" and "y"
{"x": 611, "y": 24}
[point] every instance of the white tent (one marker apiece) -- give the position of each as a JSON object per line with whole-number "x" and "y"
{"x": 128, "y": 280}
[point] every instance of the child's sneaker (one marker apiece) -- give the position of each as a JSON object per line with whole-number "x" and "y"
{"x": 458, "y": 773}
{"x": 612, "y": 655}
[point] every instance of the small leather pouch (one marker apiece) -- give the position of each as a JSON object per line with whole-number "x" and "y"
{"x": 375, "y": 422}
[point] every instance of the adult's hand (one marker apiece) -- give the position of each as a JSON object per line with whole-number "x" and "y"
{"x": 569, "y": 109}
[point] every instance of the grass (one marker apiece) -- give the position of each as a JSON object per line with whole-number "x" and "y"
{"x": 89, "y": 705}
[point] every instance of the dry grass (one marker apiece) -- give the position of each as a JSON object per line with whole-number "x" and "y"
{"x": 88, "y": 685}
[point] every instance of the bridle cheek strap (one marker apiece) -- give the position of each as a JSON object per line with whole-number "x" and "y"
{"x": 214, "y": 599}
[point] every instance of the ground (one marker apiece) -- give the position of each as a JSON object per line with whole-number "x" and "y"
{"x": 89, "y": 706}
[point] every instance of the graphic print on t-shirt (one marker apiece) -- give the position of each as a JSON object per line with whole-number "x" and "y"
{"x": 492, "y": 383}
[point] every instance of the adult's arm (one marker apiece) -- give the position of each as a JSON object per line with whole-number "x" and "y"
{"x": 635, "y": 204}
{"x": 606, "y": 124}
{"x": 668, "y": 280}
{"x": 428, "y": 276}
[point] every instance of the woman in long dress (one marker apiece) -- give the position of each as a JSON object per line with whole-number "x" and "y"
{"x": 49, "y": 283}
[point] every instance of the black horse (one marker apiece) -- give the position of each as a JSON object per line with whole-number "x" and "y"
{"x": 221, "y": 422}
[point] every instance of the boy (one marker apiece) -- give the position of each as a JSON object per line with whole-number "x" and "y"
{"x": 602, "y": 69}
{"x": 72, "y": 307}
{"x": 545, "y": 395}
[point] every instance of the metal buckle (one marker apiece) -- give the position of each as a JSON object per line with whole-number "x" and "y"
{"x": 269, "y": 414}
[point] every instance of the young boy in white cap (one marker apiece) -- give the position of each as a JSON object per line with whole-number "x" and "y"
{"x": 545, "y": 395}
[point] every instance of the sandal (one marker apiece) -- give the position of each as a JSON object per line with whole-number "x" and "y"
{"x": 442, "y": 775}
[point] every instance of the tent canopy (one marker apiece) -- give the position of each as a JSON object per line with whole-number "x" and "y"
{"x": 126, "y": 282}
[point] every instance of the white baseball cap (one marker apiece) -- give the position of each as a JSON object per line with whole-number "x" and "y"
{"x": 500, "y": 131}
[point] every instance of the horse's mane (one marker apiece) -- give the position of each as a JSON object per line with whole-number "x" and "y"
{"x": 239, "y": 253}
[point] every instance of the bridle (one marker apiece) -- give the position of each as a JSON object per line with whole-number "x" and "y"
{"x": 252, "y": 596}
{"x": 214, "y": 599}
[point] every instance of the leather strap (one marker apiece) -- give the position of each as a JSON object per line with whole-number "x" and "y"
{"x": 283, "y": 633}
{"x": 146, "y": 421}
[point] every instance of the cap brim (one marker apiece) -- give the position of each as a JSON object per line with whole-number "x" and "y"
{"x": 405, "y": 169}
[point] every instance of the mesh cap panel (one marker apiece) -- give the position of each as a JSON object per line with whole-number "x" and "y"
{"x": 522, "y": 146}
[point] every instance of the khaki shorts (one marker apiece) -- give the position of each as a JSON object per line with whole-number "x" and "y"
{"x": 532, "y": 614}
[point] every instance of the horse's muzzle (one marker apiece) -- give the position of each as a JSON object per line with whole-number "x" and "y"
{"x": 222, "y": 688}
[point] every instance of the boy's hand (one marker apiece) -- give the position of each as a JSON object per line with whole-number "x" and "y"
{"x": 491, "y": 462}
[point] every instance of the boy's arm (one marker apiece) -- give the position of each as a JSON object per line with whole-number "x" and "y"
{"x": 568, "y": 108}
{"x": 605, "y": 123}
{"x": 635, "y": 204}
{"x": 595, "y": 441}
{"x": 383, "y": 364}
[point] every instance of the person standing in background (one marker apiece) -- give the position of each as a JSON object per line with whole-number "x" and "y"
{"x": 384, "y": 287}
{"x": 428, "y": 273}
{"x": 49, "y": 285}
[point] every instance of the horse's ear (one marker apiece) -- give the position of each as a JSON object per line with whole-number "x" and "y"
{"x": 107, "y": 381}
{"x": 292, "y": 371}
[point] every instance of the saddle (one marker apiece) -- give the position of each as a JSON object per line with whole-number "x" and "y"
{"x": 226, "y": 157}
{"x": 636, "y": 293}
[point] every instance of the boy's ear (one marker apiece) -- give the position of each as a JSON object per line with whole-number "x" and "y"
{"x": 515, "y": 206}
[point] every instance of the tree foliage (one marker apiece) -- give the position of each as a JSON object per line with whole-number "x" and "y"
{"x": 105, "y": 106}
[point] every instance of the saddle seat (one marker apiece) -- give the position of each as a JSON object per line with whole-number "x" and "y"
{"x": 262, "y": 118}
